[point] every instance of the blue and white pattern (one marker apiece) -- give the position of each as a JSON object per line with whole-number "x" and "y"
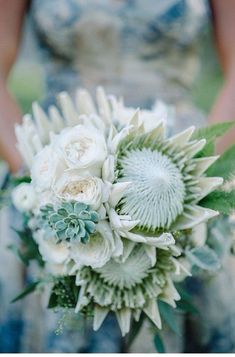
{"x": 142, "y": 50}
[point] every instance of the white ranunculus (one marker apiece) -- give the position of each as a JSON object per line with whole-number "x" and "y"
{"x": 97, "y": 252}
{"x": 82, "y": 148}
{"x": 46, "y": 166}
{"x": 51, "y": 251}
{"x": 24, "y": 197}
{"x": 86, "y": 189}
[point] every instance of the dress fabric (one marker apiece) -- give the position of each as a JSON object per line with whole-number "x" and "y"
{"x": 143, "y": 51}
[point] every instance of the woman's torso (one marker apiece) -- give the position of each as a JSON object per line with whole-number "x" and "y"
{"x": 141, "y": 50}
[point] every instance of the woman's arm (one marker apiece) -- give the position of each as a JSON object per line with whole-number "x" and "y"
{"x": 224, "y": 29}
{"x": 11, "y": 19}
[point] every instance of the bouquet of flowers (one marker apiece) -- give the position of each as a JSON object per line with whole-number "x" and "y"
{"x": 114, "y": 209}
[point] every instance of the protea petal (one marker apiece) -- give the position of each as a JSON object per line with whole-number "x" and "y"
{"x": 170, "y": 294}
{"x": 182, "y": 138}
{"x": 203, "y": 164}
{"x": 119, "y": 137}
{"x": 117, "y": 192}
{"x": 100, "y": 314}
{"x": 208, "y": 184}
{"x": 135, "y": 120}
{"x": 42, "y": 121}
{"x": 108, "y": 173}
{"x": 152, "y": 311}
{"x": 164, "y": 241}
{"x": 84, "y": 102}
{"x": 56, "y": 119}
{"x": 152, "y": 253}
{"x": 70, "y": 114}
{"x": 103, "y": 105}
{"x": 192, "y": 216}
{"x": 195, "y": 147}
{"x": 124, "y": 320}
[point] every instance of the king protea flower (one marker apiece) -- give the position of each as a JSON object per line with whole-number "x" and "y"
{"x": 127, "y": 288}
{"x": 167, "y": 180}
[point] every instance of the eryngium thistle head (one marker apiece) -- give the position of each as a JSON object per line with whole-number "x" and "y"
{"x": 166, "y": 180}
{"x": 72, "y": 220}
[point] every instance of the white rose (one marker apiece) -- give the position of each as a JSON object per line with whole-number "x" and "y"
{"x": 51, "y": 251}
{"x": 87, "y": 189}
{"x": 82, "y": 148}
{"x": 98, "y": 250}
{"x": 24, "y": 197}
{"x": 46, "y": 166}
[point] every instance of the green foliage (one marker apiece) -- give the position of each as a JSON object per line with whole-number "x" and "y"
{"x": 204, "y": 258}
{"x": 71, "y": 221}
{"x": 64, "y": 293}
{"x": 28, "y": 249}
{"x": 28, "y": 290}
{"x": 185, "y": 303}
{"x": 208, "y": 150}
{"x": 224, "y": 166}
{"x": 5, "y": 198}
{"x": 211, "y": 132}
{"x": 17, "y": 180}
{"x": 167, "y": 313}
{"x": 159, "y": 345}
{"x": 221, "y": 201}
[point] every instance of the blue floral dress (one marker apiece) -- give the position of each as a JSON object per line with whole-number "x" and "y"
{"x": 143, "y": 51}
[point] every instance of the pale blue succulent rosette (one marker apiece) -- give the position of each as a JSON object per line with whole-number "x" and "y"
{"x": 117, "y": 209}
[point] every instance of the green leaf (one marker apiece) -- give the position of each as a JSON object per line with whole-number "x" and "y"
{"x": 28, "y": 250}
{"x": 224, "y": 166}
{"x": 52, "y": 301}
{"x": 64, "y": 293}
{"x": 28, "y": 290}
{"x": 185, "y": 303}
{"x": 15, "y": 181}
{"x": 158, "y": 342}
{"x": 186, "y": 307}
{"x": 213, "y": 131}
{"x": 204, "y": 257}
{"x": 168, "y": 315}
{"x": 208, "y": 150}
{"x": 221, "y": 201}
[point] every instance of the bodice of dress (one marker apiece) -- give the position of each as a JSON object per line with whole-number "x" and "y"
{"x": 141, "y": 50}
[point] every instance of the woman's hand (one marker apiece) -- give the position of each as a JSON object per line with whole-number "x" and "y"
{"x": 11, "y": 19}
{"x": 224, "y": 29}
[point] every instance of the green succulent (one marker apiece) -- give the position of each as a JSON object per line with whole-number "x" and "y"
{"x": 70, "y": 221}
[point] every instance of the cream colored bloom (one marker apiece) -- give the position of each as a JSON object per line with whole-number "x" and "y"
{"x": 98, "y": 251}
{"x": 83, "y": 147}
{"x": 24, "y": 197}
{"x": 51, "y": 251}
{"x": 46, "y": 166}
{"x": 86, "y": 189}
